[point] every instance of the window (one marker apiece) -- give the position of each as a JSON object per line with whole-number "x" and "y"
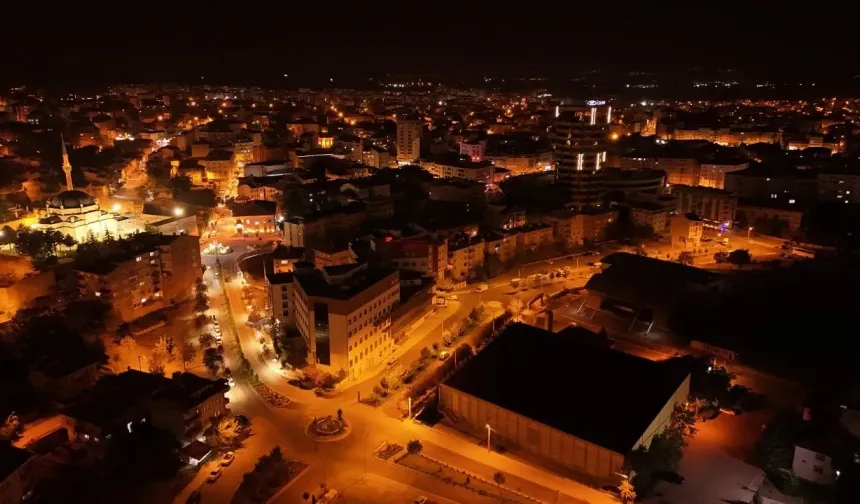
{"x": 819, "y": 457}
{"x": 818, "y": 470}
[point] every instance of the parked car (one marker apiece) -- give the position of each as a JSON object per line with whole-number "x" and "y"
{"x": 482, "y": 288}
{"x": 452, "y": 297}
{"x": 421, "y": 500}
{"x": 214, "y": 474}
{"x": 227, "y": 459}
{"x": 329, "y": 496}
{"x": 391, "y": 362}
{"x": 444, "y": 354}
{"x": 669, "y": 476}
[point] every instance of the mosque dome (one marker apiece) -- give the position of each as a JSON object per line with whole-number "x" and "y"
{"x": 71, "y": 199}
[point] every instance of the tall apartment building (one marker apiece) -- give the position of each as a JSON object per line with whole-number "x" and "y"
{"x": 716, "y": 206}
{"x": 141, "y": 274}
{"x": 344, "y": 315}
{"x": 408, "y": 140}
{"x": 579, "y": 136}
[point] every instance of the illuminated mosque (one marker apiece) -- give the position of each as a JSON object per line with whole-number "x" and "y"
{"x": 76, "y": 213}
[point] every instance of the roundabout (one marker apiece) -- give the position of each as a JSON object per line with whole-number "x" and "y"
{"x": 328, "y": 429}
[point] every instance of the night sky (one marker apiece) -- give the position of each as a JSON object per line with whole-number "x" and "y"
{"x": 256, "y": 43}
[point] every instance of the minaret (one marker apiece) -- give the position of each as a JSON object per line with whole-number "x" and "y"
{"x": 67, "y": 166}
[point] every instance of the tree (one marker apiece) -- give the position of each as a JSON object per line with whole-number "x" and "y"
{"x": 40, "y": 246}
{"x": 515, "y": 308}
{"x": 683, "y": 420}
{"x": 10, "y": 431}
{"x": 187, "y": 353}
{"x": 414, "y": 447}
{"x": 123, "y": 331}
{"x": 499, "y": 478}
{"x": 213, "y": 360}
{"x": 164, "y": 348}
{"x": 129, "y": 345}
{"x": 225, "y": 431}
{"x": 205, "y": 340}
{"x": 157, "y": 360}
{"x": 626, "y": 492}
{"x": 180, "y": 185}
{"x": 721, "y": 257}
{"x": 685, "y": 258}
{"x": 201, "y": 299}
{"x": 739, "y": 257}
{"x": 425, "y": 353}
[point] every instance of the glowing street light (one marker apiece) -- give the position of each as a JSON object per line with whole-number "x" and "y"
{"x": 489, "y": 431}
{"x": 116, "y": 207}
{"x": 179, "y": 211}
{"x": 749, "y": 230}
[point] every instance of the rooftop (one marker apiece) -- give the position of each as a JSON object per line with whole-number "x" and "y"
{"x": 255, "y": 207}
{"x": 343, "y": 282}
{"x": 188, "y": 389}
{"x": 545, "y": 364}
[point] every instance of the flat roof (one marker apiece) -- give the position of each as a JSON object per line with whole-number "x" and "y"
{"x": 594, "y": 393}
{"x": 314, "y": 283}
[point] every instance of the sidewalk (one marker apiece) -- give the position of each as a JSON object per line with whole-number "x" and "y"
{"x": 460, "y": 451}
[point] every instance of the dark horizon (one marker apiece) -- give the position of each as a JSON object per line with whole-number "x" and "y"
{"x": 86, "y": 45}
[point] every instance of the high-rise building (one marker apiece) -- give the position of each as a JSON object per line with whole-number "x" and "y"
{"x": 408, "y": 140}
{"x": 579, "y": 137}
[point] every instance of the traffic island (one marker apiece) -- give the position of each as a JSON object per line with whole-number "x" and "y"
{"x": 328, "y": 429}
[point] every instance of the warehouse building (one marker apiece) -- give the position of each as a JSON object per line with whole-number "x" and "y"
{"x": 564, "y": 399}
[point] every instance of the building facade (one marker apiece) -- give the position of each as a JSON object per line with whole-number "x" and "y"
{"x": 715, "y": 206}
{"x": 408, "y": 142}
{"x": 344, "y": 315}
{"x": 579, "y": 136}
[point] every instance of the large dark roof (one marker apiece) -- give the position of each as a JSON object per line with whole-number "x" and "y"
{"x": 597, "y": 394}
{"x": 645, "y": 281}
{"x": 314, "y": 283}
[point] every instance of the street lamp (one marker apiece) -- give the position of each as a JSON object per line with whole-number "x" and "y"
{"x": 489, "y": 431}
{"x": 178, "y": 211}
{"x": 749, "y": 230}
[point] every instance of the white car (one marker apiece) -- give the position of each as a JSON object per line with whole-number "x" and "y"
{"x": 228, "y": 457}
{"x": 214, "y": 474}
{"x": 421, "y": 500}
{"x": 482, "y": 288}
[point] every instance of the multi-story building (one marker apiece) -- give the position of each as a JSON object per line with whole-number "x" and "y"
{"x": 256, "y": 218}
{"x": 774, "y": 184}
{"x": 316, "y": 226}
{"x": 579, "y": 137}
{"x": 646, "y": 213}
{"x": 712, "y": 173}
{"x": 376, "y": 157}
{"x": 183, "y": 405}
{"x": 577, "y": 228}
{"x": 501, "y": 244}
{"x": 465, "y": 257}
{"x": 499, "y": 216}
{"x": 344, "y": 315}
{"x": 280, "y": 286}
{"x": 681, "y": 170}
{"x": 716, "y": 206}
{"x": 408, "y": 140}
{"x": 186, "y": 405}
{"x": 686, "y": 230}
{"x": 424, "y": 255}
{"x": 520, "y": 163}
{"x": 533, "y": 236}
{"x": 141, "y": 274}
{"x": 838, "y": 185}
{"x": 462, "y": 167}
{"x": 475, "y": 150}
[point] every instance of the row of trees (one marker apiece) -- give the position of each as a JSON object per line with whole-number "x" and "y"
{"x": 665, "y": 451}
{"x": 738, "y": 257}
